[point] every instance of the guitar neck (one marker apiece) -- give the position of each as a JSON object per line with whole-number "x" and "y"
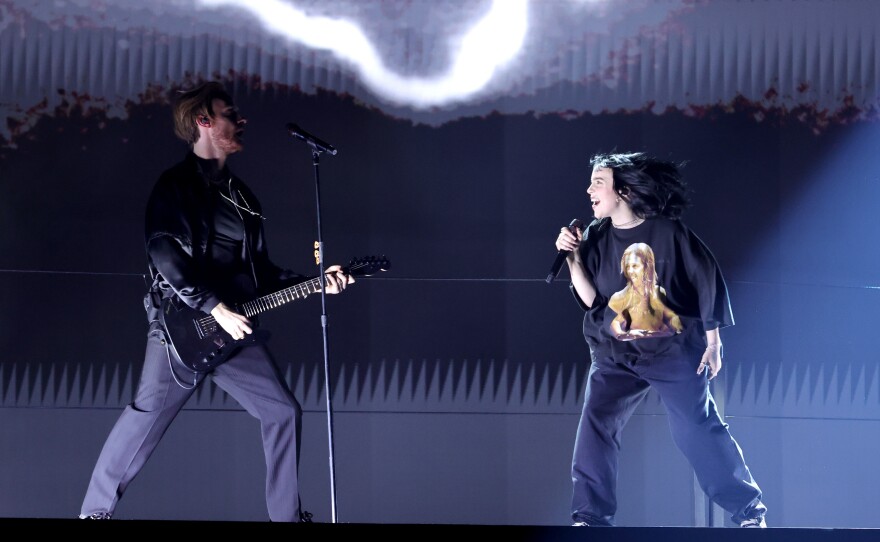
{"x": 303, "y": 289}
{"x": 281, "y": 297}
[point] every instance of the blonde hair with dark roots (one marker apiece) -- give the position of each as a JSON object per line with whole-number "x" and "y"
{"x": 193, "y": 103}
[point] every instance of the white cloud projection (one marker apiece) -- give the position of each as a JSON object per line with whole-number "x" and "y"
{"x": 436, "y": 61}
{"x": 488, "y": 45}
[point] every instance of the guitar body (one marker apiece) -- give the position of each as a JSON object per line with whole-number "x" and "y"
{"x": 199, "y": 343}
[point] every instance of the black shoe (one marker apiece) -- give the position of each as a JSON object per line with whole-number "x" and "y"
{"x": 305, "y": 517}
{"x": 97, "y": 515}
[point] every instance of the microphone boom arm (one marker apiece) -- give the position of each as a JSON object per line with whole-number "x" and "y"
{"x": 316, "y": 143}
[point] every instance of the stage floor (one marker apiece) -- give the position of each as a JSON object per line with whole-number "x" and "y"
{"x": 409, "y": 532}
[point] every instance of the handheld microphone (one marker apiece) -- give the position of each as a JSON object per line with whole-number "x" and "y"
{"x": 562, "y": 254}
{"x": 317, "y": 144}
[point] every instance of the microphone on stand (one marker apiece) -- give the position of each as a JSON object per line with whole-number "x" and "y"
{"x": 316, "y": 143}
{"x": 562, "y": 254}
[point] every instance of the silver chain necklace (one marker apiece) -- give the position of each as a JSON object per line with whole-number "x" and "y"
{"x": 630, "y": 223}
{"x": 245, "y": 209}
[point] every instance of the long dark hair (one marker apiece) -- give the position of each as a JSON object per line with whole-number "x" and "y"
{"x": 652, "y": 187}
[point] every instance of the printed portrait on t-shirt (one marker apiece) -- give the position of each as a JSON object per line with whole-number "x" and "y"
{"x": 640, "y": 306}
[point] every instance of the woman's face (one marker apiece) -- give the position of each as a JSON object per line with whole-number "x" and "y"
{"x": 634, "y": 268}
{"x": 603, "y": 199}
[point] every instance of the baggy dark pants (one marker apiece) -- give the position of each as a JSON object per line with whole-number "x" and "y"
{"x": 250, "y": 377}
{"x": 612, "y": 394}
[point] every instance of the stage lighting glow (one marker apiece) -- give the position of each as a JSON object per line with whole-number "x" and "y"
{"x": 489, "y": 45}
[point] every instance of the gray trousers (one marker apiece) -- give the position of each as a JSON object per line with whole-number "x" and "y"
{"x": 250, "y": 377}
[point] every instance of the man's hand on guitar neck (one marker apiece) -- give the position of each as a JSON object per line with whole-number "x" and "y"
{"x": 238, "y": 326}
{"x": 231, "y": 322}
{"x": 336, "y": 279}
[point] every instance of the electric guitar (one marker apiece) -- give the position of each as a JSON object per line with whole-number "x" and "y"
{"x": 199, "y": 342}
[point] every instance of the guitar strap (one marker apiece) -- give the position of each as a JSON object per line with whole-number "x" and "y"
{"x": 153, "y": 303}
{"x": 171, "y": 354}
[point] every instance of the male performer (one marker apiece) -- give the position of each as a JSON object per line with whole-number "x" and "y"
{"x": 205, "y": 245}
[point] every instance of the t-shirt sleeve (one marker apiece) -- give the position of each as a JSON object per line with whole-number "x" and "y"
{"x": 708, "y": 281}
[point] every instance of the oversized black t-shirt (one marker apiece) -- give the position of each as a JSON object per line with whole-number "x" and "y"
{"x": 658, "y": 287}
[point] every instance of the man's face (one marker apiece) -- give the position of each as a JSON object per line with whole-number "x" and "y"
{"x": 227, "y": 130}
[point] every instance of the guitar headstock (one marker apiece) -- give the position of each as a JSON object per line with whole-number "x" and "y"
{"x": 368, "y": 265}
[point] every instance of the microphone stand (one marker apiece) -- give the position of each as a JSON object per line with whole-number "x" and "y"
{"x": 316, "y": 152}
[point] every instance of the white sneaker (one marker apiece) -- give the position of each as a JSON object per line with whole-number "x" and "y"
{"x": 754, "y": 523}
{"x": 96, "y": 515}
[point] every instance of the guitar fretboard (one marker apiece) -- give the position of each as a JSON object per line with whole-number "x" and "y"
{"x": 276, "y": 299}
{"x": 208, "y": 324}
